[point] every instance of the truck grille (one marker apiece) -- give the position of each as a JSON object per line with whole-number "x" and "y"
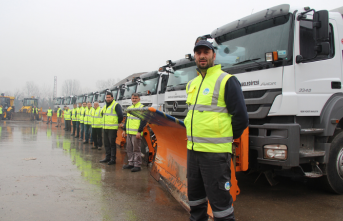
{"x": 258, "y": 104}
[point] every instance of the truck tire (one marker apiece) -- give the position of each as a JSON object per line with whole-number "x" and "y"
{"x": 334, "y": 169}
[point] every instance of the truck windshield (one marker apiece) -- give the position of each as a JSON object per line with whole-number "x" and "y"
{"x": 115, "y": 93}
{"x": 95, "y": 97}
{"x": 148, "y": 85}
{"x": 67, "y": 101}
{"x": 90, "y": 98}
{"x": 4, "y": 101}
{"x": 182, "y": 76}
{"x": 129, "y": 91}
{"x": 80, "y": 99}
{"x": 102, "y": 97}
{"x": 58, "y": 101}
{"x": 30, "y": 102}
{"x": 252, "y": 42}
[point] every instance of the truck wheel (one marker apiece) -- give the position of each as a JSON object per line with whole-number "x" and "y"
{"x": 334, "y": 168}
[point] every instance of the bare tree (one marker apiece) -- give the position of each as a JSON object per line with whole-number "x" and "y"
{"x": 18, "y": 94}
{"x": 103, "y": 84}
{"x": 31, "y": 89}
{"x": 71, "y": 87}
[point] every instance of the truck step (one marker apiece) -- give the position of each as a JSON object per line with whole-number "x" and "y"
{"x": 311, "y": 131}
{"x": 313, "y": 175}
{"x": 311, "y": 153}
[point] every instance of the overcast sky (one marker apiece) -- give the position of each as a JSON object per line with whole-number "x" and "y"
{"x": 97, "y": 39}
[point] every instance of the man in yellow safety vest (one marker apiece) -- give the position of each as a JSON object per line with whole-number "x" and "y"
{"x": 49, "y": 116}
{"x": 74, "y": 119}
{"x": 88, "y": 121}
{"x": 133, "y": 128}
{"x": 82, "y": 118}
{"x": 217, "y": 115}
{"x": 97, "y": 126}
{"x": 67, "y": 118}
{"x": 59, "y": 116}
{"x": 112, "y": 116}
{"x": 1, "y": 112}
{"x": 78, "y": 116}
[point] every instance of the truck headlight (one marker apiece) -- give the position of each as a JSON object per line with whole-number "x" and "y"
{"x": 275, "y": 151}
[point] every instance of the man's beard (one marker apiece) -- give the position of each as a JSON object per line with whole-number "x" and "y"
{"x": 205, "y": 66}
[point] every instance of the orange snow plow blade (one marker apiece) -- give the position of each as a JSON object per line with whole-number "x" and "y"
{"x": 170, "y": 160}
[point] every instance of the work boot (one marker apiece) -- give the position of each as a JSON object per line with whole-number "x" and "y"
{"x": 56, "y": 126}
{"x": 85, "y": 142}
{"x": 99, "y": 148}
{"x": 111, "y": 162}
{"x": 135, "y": 169}
{"x": 128, "y": 166}
{"x": 94, "y": 147}
{"x": 76, "y": 137}
{"x": 105, "y": 160}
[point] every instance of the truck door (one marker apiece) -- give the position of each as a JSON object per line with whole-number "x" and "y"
{"x": 316, "y": 78}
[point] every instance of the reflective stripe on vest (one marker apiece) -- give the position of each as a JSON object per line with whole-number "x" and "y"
{"x": 110, "y": 118}
{"x": 82, "y": 111}
{"x": 49, "y": 113}
{"x": 208, "y": 122}
{"x": 133, "y": 123}
{"x": 97, "y": 118}
{"x": 67, "y": 115}
{"x": 59, "y": 112}
{"x": 88, "y": 116}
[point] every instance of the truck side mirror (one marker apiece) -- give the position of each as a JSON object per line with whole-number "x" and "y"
{"x": 321, "y": 26}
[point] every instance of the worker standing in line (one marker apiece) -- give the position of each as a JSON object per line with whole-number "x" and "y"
{"x": 59, "y": 116}
{"x": 133, "y": 129}
{"x": 97, "y": 126}
{"x": 74, "y": 119}
{"x": 65, "y": 122}
{"x": 49, "y": 116}
{"x": 88, "y": 122}
{"x": 78, "y": 113}
{"x": 82, "y": 122}
{"x": 67, "y": 118}
{"x": 112, "y": 115}
{"x": 217, "y": 115}
{"x": 0, "y": 112}
{"x": 34, "y": 113}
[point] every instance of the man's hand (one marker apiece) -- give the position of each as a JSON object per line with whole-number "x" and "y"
{"x": 123, "y": 134}
{"x": 138, "y": 135}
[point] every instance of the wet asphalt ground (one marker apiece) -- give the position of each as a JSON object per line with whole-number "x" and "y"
{"x": 45, "y": 174}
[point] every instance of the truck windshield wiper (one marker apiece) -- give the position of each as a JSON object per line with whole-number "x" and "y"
{"x": 253, "y": 60}
{"x": 182, "y": 84}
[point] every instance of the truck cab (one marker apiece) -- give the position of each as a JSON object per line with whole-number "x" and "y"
{"x": 101, "y": 98}
{"x": 181, "y": 72}
{"x": 151, "y": 88}
{"x": 289, "y": 63}
{"x": 127, "y": 90}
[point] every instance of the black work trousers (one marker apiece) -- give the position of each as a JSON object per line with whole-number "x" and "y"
{"x": 97, "y": 136}
{"x": 110, "y": 137}
{"x": 68, "y": 125}
{"x": 209, "y": 179}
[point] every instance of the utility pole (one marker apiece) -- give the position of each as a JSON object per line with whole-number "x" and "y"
{"x": 55, "y": 87}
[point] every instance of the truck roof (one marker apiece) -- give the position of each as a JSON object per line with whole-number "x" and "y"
{"x": 266, "y": 14}
{"x": 340, "y": 10}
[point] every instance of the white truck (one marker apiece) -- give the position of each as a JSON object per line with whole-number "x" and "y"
{"x": 151, "y": 88}
{"x": 289, "y": 63}
{"x": 181, "y": 72}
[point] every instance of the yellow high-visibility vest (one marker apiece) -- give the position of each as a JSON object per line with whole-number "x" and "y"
{"x": 110, "y": 117}
{"x": 97, "y": 118}
{"x": 49, "y": 113}
{"x": 208, "y": 122}
{"x": 132, "y": 123}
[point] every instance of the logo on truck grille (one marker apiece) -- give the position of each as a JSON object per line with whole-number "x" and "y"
{"x": 175, "y": 106}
